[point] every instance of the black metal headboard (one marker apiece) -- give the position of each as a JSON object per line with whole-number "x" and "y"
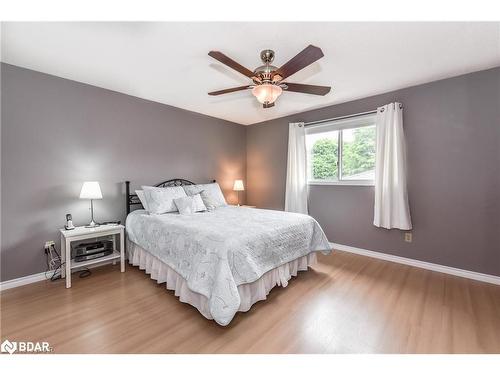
{"x": 133, "y": 199}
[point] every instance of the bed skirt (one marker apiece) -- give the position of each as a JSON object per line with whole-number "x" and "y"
{"x": 249, "y": 293}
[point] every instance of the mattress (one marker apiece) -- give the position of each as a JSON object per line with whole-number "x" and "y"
{"x": 217, "y": 251}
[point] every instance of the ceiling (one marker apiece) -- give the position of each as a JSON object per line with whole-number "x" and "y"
{"x": 168, "y": 62}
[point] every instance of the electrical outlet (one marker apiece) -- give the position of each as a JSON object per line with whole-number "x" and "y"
{"x": 408, "y": 236}
{"x": 48, "y": 244}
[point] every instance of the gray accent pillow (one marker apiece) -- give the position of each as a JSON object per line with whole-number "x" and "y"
{"x": 185, "y": 205}
{"x": 211, "y": 190}
{"x": 161, "y": 200}
{"x": 198, "y": 203}
{"x": 209, "y": 202}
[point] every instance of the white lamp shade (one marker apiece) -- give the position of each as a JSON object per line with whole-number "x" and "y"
{"x": 267, "y": 93}
{"x": 238, "y": 185}
{"x": 91, "y": 190}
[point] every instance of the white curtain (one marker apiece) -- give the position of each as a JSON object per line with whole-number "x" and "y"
{"x": 391, "y": 196}
{"x": 296, "y": 171}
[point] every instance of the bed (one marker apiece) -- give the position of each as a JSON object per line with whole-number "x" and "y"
{"x": 225, "y": 260}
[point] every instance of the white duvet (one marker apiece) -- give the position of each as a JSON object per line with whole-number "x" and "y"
{"x": 219, "y": 250}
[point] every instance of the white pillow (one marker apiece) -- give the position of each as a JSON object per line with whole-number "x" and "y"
{"x": 142, "y": 198}
{"x": 161, "y": 200}
{"x": 211, "y": 190}
{"x": 209, "y": 203}
{"x": 189, "y": 204}
{"x": 198, "y": 203}
{"x": 185, "y": 205}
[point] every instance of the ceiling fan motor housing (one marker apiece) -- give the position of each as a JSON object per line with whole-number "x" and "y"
{"x": 264, "y": 73}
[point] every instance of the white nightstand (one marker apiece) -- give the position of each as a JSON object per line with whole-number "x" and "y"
{"x": 82, "y": 233}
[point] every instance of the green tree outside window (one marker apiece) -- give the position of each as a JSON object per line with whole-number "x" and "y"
{"x": 324, "y": 159}
{"x": 358, "y": 155}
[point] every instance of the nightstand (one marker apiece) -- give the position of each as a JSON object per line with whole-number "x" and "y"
{"x": 245, "y": 205}
{"x": 83, "y": 233}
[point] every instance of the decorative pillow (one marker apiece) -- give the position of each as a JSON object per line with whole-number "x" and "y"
{"x": 142, "y": 198}
{"x": 185, "y": 205}
{"x": 198, "y": 203}
{"x": 211, "y": 190}
{"x": 208, "y": 201}
{"x": 161, "y": 200}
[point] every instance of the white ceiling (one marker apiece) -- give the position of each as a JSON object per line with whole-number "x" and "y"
{"x": 168, "y": 62}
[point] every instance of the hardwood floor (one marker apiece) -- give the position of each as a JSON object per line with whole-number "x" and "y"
{"x": 346, "y": 304}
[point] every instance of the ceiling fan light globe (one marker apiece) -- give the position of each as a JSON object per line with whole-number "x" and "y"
{"x": 267, "y": 93}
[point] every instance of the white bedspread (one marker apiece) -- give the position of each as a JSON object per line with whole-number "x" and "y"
{"x": 219, "y": 250}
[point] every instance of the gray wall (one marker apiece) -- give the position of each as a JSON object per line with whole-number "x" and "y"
{"x": 452, "y": 130}
{"x": 58, "y": 133}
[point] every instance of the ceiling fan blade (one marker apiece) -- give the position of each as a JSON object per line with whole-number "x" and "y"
{"x": 304, "y": 58}
{"x": 268, "y": 105}
{"x": 307, "y": 89}
{"x": 219, "y": 56}
{"x": 233, "y": 89}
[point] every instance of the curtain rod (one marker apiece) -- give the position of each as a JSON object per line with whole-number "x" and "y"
{"x": 345, "y": 117}
{"x": 339, "y": 118}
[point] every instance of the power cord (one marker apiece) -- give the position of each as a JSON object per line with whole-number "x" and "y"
{"x": 55, "y": 264}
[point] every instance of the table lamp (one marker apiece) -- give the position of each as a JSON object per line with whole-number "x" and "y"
{"x": 91, "y": 190}
{"x": 238, "y": 186}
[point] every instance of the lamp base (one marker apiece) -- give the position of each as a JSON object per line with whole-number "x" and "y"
{"x": 92, "y": 224}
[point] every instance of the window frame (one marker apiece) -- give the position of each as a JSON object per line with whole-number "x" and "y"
{"x": 339, "y": 125}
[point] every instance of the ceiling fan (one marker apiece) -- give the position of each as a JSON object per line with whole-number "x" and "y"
{"x": 267, "y": 79}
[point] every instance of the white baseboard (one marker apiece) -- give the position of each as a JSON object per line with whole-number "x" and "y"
{"x": 4, "y": 285}
{"x": 418, "y": 263}
{"x": 9, "y": 284}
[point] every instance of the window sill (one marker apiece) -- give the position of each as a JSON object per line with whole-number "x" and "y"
{"x": 344, "y": 183}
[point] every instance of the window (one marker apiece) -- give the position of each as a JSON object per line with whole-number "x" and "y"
{"x": 342, "y": 152}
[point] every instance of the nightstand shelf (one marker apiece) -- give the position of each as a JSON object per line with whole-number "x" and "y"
{"x": 115, "y": 255}
{"x": 83, "y": 233}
